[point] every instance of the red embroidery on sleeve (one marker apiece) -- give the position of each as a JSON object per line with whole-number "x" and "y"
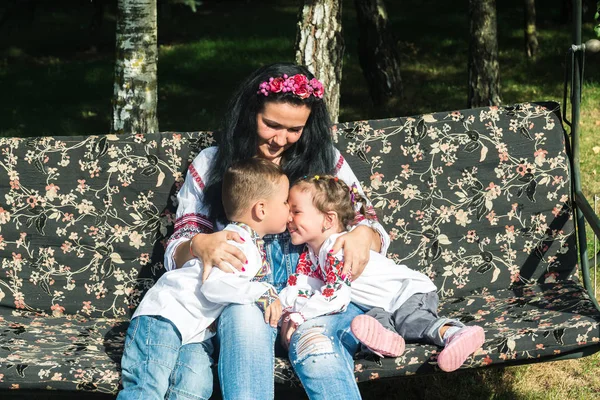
{"x": 304, "y": 264}
{"x": 339, "y": 164}
{"x": 196, "y": 176}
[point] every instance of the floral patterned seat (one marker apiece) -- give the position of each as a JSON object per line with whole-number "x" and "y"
{"x": 479, "y": 200}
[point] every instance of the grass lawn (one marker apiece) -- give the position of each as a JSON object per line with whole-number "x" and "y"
{"x": 56, "y": 79}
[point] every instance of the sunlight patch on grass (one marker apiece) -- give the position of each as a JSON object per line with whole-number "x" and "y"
{"x": 215, "y": 51}
{"x": 14, "y": 52}
{"x": 88, "y": 114}
{"x": 569, "y": 379}
{"x": 436, "y": 71}
{"x": 590, "y": 138}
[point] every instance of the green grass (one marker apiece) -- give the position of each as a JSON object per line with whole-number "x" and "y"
{"x": 56, "y": 79}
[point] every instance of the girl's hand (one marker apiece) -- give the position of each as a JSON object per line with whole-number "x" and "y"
{"x": 287, "y": 330}
{"x": 356, "y": 245}
{"x": 214, "y": 250}
{"x": 273, "y": 313}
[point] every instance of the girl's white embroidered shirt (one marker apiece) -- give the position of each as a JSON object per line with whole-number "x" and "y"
{"x": 318, "y": 288}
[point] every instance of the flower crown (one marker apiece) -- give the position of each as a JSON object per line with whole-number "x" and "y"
{"x": 297, "y": 84}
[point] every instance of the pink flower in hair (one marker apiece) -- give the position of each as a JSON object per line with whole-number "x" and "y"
{"x": 297, "y": 84}
{"x": 302, "y": 90}
{"x": 275, "y": 85}
{"x": 317, "y": 87}
{"x": 299, "y": 80}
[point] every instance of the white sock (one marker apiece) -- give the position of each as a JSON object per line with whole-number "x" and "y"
{"x": 449, "y": 332}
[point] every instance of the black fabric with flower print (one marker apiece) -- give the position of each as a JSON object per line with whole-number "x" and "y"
{"x": 479, "y": 200}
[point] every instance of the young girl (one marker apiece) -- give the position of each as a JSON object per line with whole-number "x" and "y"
{"x": 402, "y": 303}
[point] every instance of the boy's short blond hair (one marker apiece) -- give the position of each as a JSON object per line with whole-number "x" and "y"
{"x": 247, "y": 181}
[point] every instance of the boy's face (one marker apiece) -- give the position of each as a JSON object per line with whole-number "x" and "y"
{"x": 306, "y": 221}
{"x": 278, "y": 209}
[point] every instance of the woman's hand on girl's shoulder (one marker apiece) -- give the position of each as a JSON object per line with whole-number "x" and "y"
{"x": 357, "y": 246}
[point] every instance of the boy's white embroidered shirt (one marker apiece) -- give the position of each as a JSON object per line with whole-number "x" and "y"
{"x": 382, "y": 284}
{"x": 191, "y": 305}
{"x": 237, "y": 287}
{"x": 193, "y": 212}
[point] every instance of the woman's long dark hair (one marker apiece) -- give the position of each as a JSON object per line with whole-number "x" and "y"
{"x": 238, "y": 138}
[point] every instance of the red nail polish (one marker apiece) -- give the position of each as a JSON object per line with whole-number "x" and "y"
{"x": 246, "y": 262}
{"x": 331, "y": 251}
{"x": 242, "y": 239}
{"x": 243, "y": 269}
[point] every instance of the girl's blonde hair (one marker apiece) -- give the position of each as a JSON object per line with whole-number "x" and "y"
{"x": 333, "y": 194}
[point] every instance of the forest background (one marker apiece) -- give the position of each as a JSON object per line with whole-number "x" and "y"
{"x": 57, "y": 69}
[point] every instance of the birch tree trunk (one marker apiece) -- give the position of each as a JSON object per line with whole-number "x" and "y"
{"x": 484, "y": 86}
{"x": 320, "y": 46}
{"x": 531, "y": 41}
{"x": 377, "y": 52}
{"x": 135, "y": 88}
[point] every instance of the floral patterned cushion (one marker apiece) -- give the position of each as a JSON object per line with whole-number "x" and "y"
{"x": 531, "y": 322}
{"x": 475, "y": 199}
{"x": 83, "y": 220}
{"x": 479, "y": 200}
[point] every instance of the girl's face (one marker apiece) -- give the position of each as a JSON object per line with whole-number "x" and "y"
{"x": 279, "y": 126}
{"x": 306, "y": 221}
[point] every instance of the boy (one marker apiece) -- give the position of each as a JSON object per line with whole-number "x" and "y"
{"x": 168, "y": 348}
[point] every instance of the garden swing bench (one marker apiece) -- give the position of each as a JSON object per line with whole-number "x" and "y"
{"x": 486, "y": 201}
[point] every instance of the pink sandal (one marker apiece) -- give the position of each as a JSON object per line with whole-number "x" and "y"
{"x": 459, "y": 347}
{"x": 379, "y": 340}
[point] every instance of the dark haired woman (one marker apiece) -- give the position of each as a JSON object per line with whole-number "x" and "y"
{"x": 279, "y": 114}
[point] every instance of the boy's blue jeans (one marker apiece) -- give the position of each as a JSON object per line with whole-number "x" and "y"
{"x": 156, "y": 366}
{"x": 321, "y": 349}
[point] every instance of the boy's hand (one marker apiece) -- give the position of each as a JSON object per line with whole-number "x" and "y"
{"x": 273, "y": 313}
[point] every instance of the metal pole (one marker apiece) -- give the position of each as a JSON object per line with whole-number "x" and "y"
{"x": 578, "y": 54}
{"x": 595, "y": 248}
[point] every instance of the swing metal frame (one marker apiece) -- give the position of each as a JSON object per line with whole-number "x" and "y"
{"x": 584, "y": 212}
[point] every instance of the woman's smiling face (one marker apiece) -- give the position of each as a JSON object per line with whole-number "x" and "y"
{"x": 279, "y": 126}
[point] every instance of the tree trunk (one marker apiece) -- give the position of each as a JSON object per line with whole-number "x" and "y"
{"x": 484, "y": 87}
{"x": 377, "y": 52}
{"x": 320, "y": 46}
{"x": 531, "y": 41}
{"x": 135, "y": 97}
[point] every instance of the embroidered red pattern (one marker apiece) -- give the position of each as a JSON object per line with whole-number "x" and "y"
{"x": 334, "y": 268}
{"x": 196, "y": 176}
{"x": 339, "y": 164}
{"x": 292, "y": 280}
{"x": 306, "y": 267}
{"x": 194, "y": 221}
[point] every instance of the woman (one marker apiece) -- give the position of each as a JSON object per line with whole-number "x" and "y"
{"x": 278, "y": 114}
